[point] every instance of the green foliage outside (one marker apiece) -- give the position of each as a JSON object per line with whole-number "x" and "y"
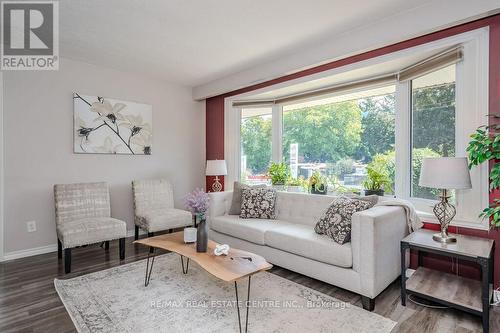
{"x": 324, "y": 133}
{"x": 256, "y": 142}
{"x": 346, "y": 133}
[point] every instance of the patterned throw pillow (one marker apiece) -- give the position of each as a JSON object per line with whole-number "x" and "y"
{"x": 235, "y": 208}
{"x": 258, "y": 203}
{"x": 336, "y": 221}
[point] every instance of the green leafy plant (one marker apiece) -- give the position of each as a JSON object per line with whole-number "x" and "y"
{"x": 317, "y": 182}
{"x": 378, "y": 177}
{"x": 335, "y": 185}
{"x": 484, "y": 147}
{"x": 279, "y": 173}
{"x": 300, "y": 181}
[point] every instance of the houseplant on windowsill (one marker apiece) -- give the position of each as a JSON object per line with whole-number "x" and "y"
{"x": 377, "y": 180}
{"x": 279, "y": 174}
{"x": 318, "y": 183}
{"x": 197, "y": 202}
{"x": 297, "y": 185}
{"x": 484, "y": 147}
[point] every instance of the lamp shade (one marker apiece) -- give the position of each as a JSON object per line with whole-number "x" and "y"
{"x": 216, "y": 168}
{"x": 445, "y": 173}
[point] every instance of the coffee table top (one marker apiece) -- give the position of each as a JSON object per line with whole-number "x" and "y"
{"x": 236, "y": 265}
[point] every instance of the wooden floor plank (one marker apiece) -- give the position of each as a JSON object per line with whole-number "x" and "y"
{"x": 29, "y": 302}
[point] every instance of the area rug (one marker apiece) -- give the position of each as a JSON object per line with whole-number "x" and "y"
{"x": 115, "y": 300}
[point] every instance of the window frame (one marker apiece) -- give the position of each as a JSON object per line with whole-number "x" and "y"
{"x": 471, "y": 94}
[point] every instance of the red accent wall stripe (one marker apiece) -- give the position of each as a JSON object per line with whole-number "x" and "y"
{"x": 215, "y": 123}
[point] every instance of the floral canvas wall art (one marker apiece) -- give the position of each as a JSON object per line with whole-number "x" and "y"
{"x": 109, "y": 126}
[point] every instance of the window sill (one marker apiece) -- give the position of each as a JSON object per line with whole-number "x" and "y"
{"x": 457, "y": 222}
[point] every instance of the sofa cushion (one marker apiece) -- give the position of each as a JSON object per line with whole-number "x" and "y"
{"x": 251, "y": 230}
{"x": 90, "y": 230}
{"x": 163, "y": 219}
{"x": 302, "y": 240}
{"x": 258, "y": 203}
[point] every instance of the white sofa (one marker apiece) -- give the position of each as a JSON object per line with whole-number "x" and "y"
{"x": 366, "y": 265}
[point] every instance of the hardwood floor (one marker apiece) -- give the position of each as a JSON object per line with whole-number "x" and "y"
{"x": 29, "y": 302}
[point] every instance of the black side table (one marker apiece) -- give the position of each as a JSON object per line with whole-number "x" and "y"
{"x": 450, "y": 290}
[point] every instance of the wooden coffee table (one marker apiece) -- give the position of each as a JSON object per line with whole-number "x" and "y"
{"x": 237, "y": 265}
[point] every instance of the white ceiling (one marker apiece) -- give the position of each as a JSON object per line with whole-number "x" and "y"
{"x": 194, "y": 42}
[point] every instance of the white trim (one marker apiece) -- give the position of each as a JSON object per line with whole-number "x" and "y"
{"x": 29, "y": 252}
{"x": 277, "y": 133}
{"x": 48, "y": 249}
{"x": 402, "y": 140}
{"x": 232, "y": 151}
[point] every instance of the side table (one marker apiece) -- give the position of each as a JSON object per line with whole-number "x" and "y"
{"x": 450, "y": 290}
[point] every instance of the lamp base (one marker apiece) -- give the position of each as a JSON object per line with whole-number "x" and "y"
{"x": 444, "y": 238}
{"x": 217, "y": 186}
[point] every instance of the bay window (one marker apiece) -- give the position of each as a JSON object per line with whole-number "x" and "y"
{"x": 427, "y": 109}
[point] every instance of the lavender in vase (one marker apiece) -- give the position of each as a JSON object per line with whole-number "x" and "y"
{"x": 197, "y": 202}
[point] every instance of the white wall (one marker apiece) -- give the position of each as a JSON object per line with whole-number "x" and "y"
{"x": 38, "y": 138}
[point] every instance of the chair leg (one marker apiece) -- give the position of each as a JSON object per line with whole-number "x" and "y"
{"x": 122, "y": 248}
{"x": 59, "y": 249}
{"x": 67, "y": 261}
{"x": 106, "y": 245}
{"x": 136, "y": 232}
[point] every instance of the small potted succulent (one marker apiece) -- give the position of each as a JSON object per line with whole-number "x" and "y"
{"x": 318, "y": 183}
{"x": 377, "y": 181}
{"x": 279, "y": 174}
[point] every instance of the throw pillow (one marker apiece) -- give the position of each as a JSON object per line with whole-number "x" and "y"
{"x": 258, "y": 203}
{"x": 235, "y": 208}
{"x": 372, "y": 199}
{"x": 336, "y": 221}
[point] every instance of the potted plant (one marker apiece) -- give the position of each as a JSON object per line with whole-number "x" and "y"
{"x": 377, "y": 180}
{"x": 279, "y": 173}
{"x": 484, "y": 147}
{"x": 335, "y": 187}
{"x": 296, "y": 184}
{"x": 318, "y": 183}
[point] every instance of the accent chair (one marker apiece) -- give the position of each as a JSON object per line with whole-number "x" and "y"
{"x": 83, "y": 216}
{"x": 154, "y": 207}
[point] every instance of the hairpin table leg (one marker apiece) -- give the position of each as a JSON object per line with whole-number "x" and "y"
{"x": 184, "y": 271}
{"x": 247, "y": 304}
{"x": 149, "y": 269}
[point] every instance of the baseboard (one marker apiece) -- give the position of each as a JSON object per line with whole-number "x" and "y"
{"x": 29, "y": 252}
{"x": 45, "y": 249}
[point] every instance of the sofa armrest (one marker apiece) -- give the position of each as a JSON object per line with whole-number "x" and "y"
{"x": 220, "y": 202}
{"x": 375, "y": 240}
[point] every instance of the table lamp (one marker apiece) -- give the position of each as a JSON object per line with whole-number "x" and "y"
{"x": 445, "y": 173}
{"x": 216, "y": 168}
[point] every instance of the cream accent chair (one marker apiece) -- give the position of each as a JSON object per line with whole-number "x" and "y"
{"x": 83, "y": 216}
{"x": 154, "y": 207}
